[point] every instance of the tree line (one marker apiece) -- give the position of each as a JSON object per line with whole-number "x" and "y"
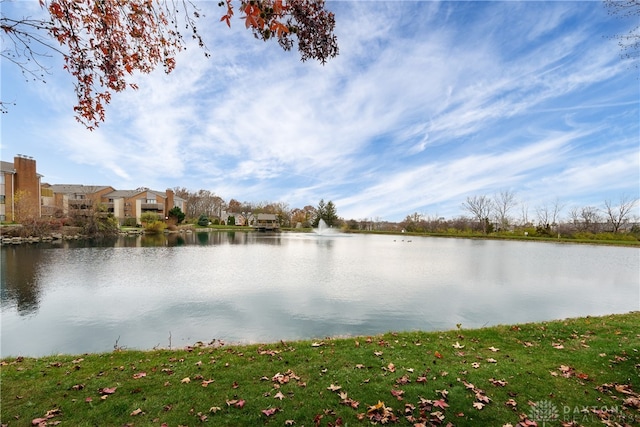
{"x": 501, "y": 212}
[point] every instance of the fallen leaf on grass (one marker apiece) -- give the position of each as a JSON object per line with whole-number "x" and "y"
{"x": 492, "y": 348}
{"x": 498, "y": 383}
{"x": 279, "y": 395}
{"x": 270, "y": 411}
{"x": 492, "y": 360}
{"x": 333, "y": 387}
{"x": 108, "y": 390}
{"x": 512, "y": 403}
{"x": 458, "y": 345}
{"x": 136, "y": 412}
{"x": 186, "y": 380}
{"x": 397, "y": 394}
{"x": 237, "y": 403}
{"x": 475, "y": 365}
{"x": 139, "y": 375}
{"x": 440, "y": 403}
{"x": 557, "y": 346}
{"x": 478, "y": 405}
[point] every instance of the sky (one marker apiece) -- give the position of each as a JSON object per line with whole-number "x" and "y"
{"x": 427, "y": 104}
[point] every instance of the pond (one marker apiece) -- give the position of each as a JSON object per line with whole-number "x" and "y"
{"x": 172, "y": 291}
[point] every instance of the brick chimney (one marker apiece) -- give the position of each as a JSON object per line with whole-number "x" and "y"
{"x": 27, "y": 180}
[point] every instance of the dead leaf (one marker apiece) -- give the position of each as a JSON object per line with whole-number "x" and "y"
{"x": 440, "y": 403}
{"x": 185, "y": 380}
{"x": 458, "y": 345}
{"x": 333, "y": 387}
{"x": 478, "y": 405}
{"x": 139, "y": 375}
{"x": 279, "y": 395}
{"x": 108, "y": 390}
{"x": 475, "y": 365}
{"x": 136, "y": 412}
{"x": 270, "y": 411}
{"x": 391, "y": 367}
{"x": 397, "y": 393}
{"x": 492, "y": 360}
{"x": 492, "y": 348}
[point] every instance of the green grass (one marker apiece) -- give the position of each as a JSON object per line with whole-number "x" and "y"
{"x": 587, "y": 368}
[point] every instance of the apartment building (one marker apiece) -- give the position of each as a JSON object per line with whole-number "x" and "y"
{"x": 22, "y": 195}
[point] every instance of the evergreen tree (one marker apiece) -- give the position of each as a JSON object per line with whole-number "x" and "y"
{"x": 330, "y": 214}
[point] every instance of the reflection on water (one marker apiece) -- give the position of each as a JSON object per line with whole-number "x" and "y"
{"x": 78, "y": 296}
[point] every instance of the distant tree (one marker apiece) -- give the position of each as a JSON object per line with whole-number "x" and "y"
{"x": 617, "y": 216}
{"x": 586, "y": 218}
{"x": 549, "y": 214}
{"x": 480, "y": 208}
{"x": 234, "y": 206}
{"x": 176, "y": 214}
{"x": 503, "y": 203}
{"x": 331, "y": 214}
{"x": 103, "y": 42}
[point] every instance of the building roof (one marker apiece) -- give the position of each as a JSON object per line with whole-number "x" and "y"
{"x": 77, "y": 188}
{"x": 7, "y": 167}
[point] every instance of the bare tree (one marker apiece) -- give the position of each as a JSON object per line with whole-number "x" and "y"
{"x": 503, "y": 202}
{"x": 618, "y": 216}
{"x": 586, "y": 218}
{"x": 548, "y": 214}
{"x": 480, "y": 207}
{"x": 524, "y": 214}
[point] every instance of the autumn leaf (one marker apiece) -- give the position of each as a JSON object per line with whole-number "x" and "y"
{"x": 270, "y": 411}
{"x": 391, "y": 367}
{"x": 478, "y": 405}
{"x": 437, "y": 354}
{"x": 279, "y": 395}
{"x": 397, "y": 394}
{"x": 492, "y": 348}
{"x": 511, "y": 403}
{"x": 333, "y": 387}
{"x": 440, "y": 403}
{"x": 108, "y": 390}
{"x": 557, "y": 346}
{"x": 136, "y": 412}
{"x": 492, "y": 360}
{"x": 475, "y": 365}
{"x": 139, "y": 375}
{"x": 185, "y": 380}
{"x": 458, "y": 345}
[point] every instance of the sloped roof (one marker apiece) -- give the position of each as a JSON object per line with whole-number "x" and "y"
{"x": 7, "y": 167}
{"x": 77, "y": 188}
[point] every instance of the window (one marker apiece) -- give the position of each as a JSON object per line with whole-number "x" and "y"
{"x": 2, "y": 199}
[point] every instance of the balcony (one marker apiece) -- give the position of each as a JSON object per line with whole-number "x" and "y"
{"x": 152, "y": 207}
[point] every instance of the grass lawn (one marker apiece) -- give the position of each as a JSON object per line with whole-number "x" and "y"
{"x": 575, "y": 372}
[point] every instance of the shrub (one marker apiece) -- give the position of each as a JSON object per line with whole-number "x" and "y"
{"x": 154, "y": 227}
{"x": 203, "y": 220}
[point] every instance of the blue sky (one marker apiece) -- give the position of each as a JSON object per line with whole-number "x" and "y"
{"x": 428, "y": 103}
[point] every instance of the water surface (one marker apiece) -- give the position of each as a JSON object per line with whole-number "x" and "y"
{"x": 143, "y": 292}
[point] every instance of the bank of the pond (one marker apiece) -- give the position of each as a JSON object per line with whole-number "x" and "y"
{"x": 582, "y": 371}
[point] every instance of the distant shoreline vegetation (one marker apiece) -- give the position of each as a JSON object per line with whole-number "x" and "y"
{"x": 32, "y": 233}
